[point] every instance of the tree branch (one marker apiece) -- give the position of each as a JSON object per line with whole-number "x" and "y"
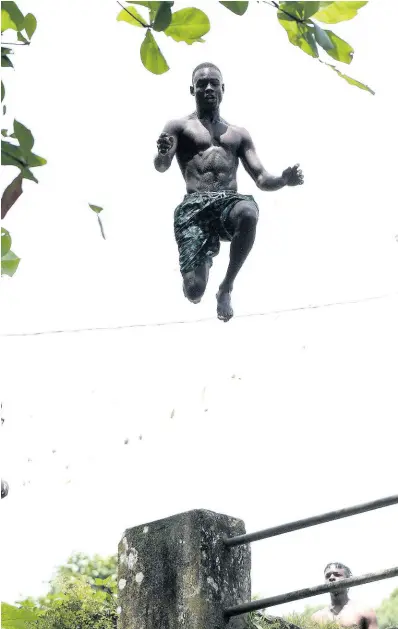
{"x": 276, "y": 5}
{"x": 133, "y": 16}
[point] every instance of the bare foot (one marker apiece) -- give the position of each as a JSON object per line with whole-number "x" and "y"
{"x": 224, "y": 308}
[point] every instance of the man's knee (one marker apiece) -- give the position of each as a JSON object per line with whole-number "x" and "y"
{"x": 247, "y": 216}
{"x": 194, "y": 288}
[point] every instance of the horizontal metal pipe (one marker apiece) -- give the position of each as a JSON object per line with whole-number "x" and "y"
{"x": 308, "y": 592}
{"x": 313, "y": 521}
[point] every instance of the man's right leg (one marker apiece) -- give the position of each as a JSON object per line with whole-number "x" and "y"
{"x": 195, "y": 282}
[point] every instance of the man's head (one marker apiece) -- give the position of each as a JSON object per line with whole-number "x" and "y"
{"x": 335, "y": 572}
{"x": 207, "y": 86}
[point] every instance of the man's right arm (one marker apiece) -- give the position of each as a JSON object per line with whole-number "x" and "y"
{"x": 167, "y": 146}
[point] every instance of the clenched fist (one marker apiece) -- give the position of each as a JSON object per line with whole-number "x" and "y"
{"x": 165, "y": 143}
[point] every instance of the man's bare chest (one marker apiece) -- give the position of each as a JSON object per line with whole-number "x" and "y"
{"x": 348, "y": 617}
{"x": 197, "y": 138}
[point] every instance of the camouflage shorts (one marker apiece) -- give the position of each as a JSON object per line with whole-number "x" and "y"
{"x": 200, "y": 222}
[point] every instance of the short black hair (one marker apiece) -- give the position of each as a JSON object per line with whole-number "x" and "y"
{"x": 206, "y": 64}
{"x": 340, "y": 566}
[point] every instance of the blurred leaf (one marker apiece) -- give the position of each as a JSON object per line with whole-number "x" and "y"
{"x": 30, "y": 24}
{"x": 101, "y": 227}
{"x": 9, "y": 264}
{"x": 96, "y": 208}
{"x": 131, "y": 16}
{"x": 24, "y": 137}
{"x": 27, "y": 174}
{"x": 300, "y": 10}
{"x": 22, "y": 38}
{"x": 15, "y": 617}
{"x": 162, "y": 17}
{"x": 333, "y": 12}
{"x": 6, "y": 22}
{"x": 4, "y": 133}
{"x": 299, "y": 34}
{"x": 239, "y": 8}
{"x": 5, "y": 241}
{"x": 188, "y": 25}
{"x": 322, "y": 38}
{"x": 33, "y": 160}
{"x": 151, "y": 55}
{"x": 3, "y": 91}
{"x": 5, "y": 60}
{"x": 350, "y": 80}
{"x": 11, "y": 155}
{"x": 10, "y": 195}
{"x": 15, "y": 15}
{"x": 341, "y": 51}
{"x": 152, "y": 6}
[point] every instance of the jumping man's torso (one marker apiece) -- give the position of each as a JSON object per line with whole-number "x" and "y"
{"x": 208, "y": 154}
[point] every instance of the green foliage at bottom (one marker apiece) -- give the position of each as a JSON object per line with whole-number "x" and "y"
{"x": 387, "y": 613}
{"x": 78, "y": 605}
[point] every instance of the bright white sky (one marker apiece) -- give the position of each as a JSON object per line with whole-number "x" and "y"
{"x": 307, "y": 424}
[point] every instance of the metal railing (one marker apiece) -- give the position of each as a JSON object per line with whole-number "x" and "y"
{"x": 313, "y": 521}
{"x": 296, "y": 595}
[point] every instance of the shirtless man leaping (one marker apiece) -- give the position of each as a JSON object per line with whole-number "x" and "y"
{"x": 208, "y": 151}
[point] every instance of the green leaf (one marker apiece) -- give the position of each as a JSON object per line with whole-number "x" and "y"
{"x": 4, "y": 133}
{"x": 5, "y": 60}
{"x": 3, "y": 91}
{"x": 10, "y": 195}
{"x": 9, "y": 264}
{"x": 11, "y": 155}
{"x": 5, "y": 242}
{"x": 33, "y": 160}
{"x": 30, "y": 24}
{"x": 341, "y": 51}
{"x": 24, "y": 137}
{"x": 151, "y": 55}
{"x": 322, "y": 38}
{"x": 349, "y": 79}
{"x": 188, "y": 25}
{"x": 6, "y": 22}
{"x": 27, "y": 174}
{"x": 299, "y": 10}
{"x": 152, "y": 6}
{"x": 299, "y": 34}
{"x": 14, "y": 13}
{"x": 162, "y": 17}
{"x": 333, "y": 12}
{"x": 239, "y": 8}
{"x": 22, "y": 38}
{"x": 96, "y": 208}
{"x": 131, "y": 16}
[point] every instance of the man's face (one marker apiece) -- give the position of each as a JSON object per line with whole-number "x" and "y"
{"x": 207, "y": 88}
{"x": 334, "y": 574}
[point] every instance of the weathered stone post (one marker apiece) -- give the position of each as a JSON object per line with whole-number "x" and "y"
{"x": 177, "y": 573}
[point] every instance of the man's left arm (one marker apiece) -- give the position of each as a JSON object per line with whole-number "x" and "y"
{"x": 291, "y": 176}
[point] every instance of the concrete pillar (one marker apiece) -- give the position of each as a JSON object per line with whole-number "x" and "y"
{"x": 176, "y": 573}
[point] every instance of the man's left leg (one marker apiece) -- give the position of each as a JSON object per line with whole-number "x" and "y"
{"x": 243, "y": 217}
